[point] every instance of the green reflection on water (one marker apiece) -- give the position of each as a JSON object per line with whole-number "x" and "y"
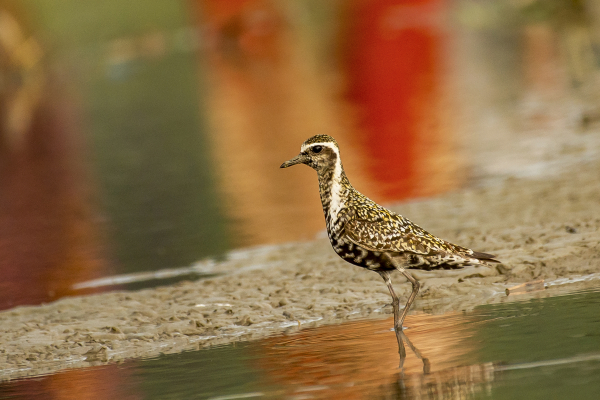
{"x": 154, "y": 166}
{"x": 221, "y": 371}
{"x": 142, "y": 91}
{"x": 542, "y": 330}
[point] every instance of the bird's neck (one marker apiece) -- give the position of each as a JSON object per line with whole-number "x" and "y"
{"x": 333, "y": 188}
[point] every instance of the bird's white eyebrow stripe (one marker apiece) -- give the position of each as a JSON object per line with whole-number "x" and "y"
{"x": 329, "y": 145}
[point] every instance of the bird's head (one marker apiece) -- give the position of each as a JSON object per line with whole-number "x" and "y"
{"x": 320, "y": 152}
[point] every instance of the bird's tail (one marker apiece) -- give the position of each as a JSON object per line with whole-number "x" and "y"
{"x": 485, "y": 257}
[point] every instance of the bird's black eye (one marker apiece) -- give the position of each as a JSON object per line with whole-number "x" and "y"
{"x": 316, "y": 149}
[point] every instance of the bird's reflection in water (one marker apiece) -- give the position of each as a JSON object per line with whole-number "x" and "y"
{"x": 462, "y": 382}
{"x": 359, "y": 360}
{"x": 465, "y": 382}
{"x": 402, "y": 338}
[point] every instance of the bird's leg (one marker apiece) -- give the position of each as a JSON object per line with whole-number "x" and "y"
{"x": 396, "y": 305}
{"x": 415, "y": 287}
{"x": 395, "y": 301}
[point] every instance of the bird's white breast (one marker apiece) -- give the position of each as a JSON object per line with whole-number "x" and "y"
{"x": 337, "y": 199}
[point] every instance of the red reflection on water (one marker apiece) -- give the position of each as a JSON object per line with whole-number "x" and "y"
{"x": 48, "y": 240}
{"x": 265, "y": 98}
{"x": 395, "y": 67}
{"x": 270, "y": 91}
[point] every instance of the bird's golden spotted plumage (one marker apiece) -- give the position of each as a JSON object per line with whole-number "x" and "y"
{"x": 368, "y": 235}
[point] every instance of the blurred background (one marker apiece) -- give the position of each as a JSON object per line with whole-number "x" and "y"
{"x": 140, "y": 135}
{"x": 147, "y": 134}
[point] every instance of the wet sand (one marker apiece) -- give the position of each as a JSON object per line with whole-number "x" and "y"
{"x": 540, "y": 227}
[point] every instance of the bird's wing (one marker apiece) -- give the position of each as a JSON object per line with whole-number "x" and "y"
{"x": 378, "y": 229}
{"x": 386, "y": 231}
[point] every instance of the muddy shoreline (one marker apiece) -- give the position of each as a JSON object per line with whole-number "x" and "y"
{"x": 541, "y": 228}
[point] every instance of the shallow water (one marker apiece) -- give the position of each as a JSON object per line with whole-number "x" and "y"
{"x": 545, "y": 348}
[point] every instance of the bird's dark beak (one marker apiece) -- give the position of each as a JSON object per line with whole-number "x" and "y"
{"x": 299, "y": 159}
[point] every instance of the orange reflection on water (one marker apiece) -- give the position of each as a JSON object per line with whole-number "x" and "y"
{"x": 266, "y": 96}
{"x": 355, "y": 359}
{"x": 108, "y": 382}
{"x": 105, "y": 382}
{"x": 269, "y": 91}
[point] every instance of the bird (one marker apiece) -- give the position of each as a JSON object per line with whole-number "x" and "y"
{"x": 370, "y": 236}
